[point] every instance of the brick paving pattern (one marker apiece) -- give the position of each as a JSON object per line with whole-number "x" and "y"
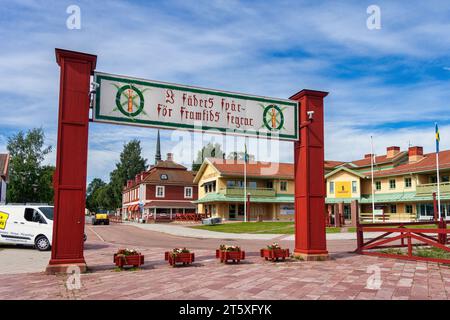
{"x": 343, "y": 277}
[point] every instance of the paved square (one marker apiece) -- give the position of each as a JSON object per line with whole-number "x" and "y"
{"x": 346, "y": 276}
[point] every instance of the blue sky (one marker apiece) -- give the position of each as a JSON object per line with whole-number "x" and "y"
{"x": 391, "y": 83}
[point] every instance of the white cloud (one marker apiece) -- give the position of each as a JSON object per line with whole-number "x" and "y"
{"x": 252, "y": 47}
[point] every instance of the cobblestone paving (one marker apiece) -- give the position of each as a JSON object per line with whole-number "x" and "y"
{"x": 344, "y": 277}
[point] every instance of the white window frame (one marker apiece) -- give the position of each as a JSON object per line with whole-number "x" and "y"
{"x": 285, "y": 183}
{"x": 354, "y": 186}
{"x": 192, "y": 192}
{"x": 376, "y": 183}
{"x": 410, "y": 182}
{"x": 163, "y": 191}
{"x": 395, "y": 184}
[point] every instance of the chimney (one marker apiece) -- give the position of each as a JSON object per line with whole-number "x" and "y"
{"x": 129, "y": 183}
{"x": 392, "y": 151}
{"x": 368, "y": 155}
{"x": 415, "y": 154}
{"x": 170, "y": 157}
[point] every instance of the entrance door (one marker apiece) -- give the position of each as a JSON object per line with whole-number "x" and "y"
{"x": 232, "y": 211}
{"x": 347, "y": 212}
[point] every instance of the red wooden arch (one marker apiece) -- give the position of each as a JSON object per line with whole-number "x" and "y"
{"x": 71, "y": 167}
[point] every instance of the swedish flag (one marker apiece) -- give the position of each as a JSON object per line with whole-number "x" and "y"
{"x": 438, "y": 138}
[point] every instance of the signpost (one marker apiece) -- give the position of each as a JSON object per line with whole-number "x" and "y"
{"x": 132, "y": 101}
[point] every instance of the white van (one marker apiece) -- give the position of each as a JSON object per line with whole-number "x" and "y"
{"x": 27, "y": 225}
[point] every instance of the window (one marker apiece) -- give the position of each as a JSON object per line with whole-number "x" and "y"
{"x": 252, "y": 184}
{"x": 331, "y": 187}
{"x": 393, "y": 208}
{"x": 47, "y": 211}
{"x": 188, "y": 192}
{"x": 269, "y": 185}
{"x": 378, "y": 185}
{"x": 408, "y": 183}
{"x": 392, "y": 184}
{"x": 210, "y": 187}
{"x": 164, "y": 177}
{"x": 232, "y": 211}
{"x": 160, "y": 191}
{"x": 33, "y": 215}
{"x": 445, "y": 179}
{"x": 409, "y": 208}
{"x": 231, "y": 183}
{"x": 283, "y": 185}
{"x": 240, "y": 210}
{"x": 433, "y": 179}
{"x": 354, "y": 187}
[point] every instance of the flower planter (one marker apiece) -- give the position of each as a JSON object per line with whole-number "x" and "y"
{"x": 235, "y": 256}
{"x": 274, "y": 254}
{"x": 183, "y": 258}
{"x": 131, "y": 260}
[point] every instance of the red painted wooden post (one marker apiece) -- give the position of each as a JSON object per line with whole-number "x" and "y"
{"x": 310, "y": 240}
{"x": 435, "y": 206}
{"x": 71, "y": 160}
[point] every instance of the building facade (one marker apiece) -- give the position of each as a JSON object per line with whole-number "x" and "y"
{"x": 162, "y": 192}
{"x": 404, "y": 183}
{"x": 4, "y": 161}
{"x": 221, "y": 189}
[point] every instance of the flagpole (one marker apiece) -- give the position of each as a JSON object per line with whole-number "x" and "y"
{"x": 438, "y": 185}
{"x": 371, "y": 172}
{"x": 437, "y": 171}
{"x": 245, "y": 184}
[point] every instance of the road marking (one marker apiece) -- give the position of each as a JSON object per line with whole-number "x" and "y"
{"x": 90, "y": 228}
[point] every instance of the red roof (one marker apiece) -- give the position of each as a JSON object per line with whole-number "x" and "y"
{"x": 168, "y": 164}
{"x": 378, "y": 159}
{"x": 256, "y": 169}
{"x": 174, "y": 174}
{"x": 427, "y": 163}
{"x": 174, "y": 177}
{"x": 330, "y": 164}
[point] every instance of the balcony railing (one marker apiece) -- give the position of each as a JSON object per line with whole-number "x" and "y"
{"x": 429, "y": 188}
{"x": 254, "y": 192}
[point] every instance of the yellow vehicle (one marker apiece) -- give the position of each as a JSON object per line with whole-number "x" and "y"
{"x": 100, "y": 218}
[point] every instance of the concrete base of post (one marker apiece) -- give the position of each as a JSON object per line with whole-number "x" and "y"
{"x": 64, "y": 268}
{"x": 312, "y": 256}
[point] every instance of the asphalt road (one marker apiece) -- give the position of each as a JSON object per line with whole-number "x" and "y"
{"x": 130, "y": 236}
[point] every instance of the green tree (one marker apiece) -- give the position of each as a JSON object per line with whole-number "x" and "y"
{"x": 240, "y": 156}
{"x": 29, "y": 180}
{"x": 94, "y": 188}
{"x": 131, "y": 163}
{"x": 208, "y": 151}
{"x": 45, "y": 190}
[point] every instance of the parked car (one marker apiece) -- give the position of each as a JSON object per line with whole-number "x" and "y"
{"x": 100, "y": 218}
{"x": 27, "y": 225}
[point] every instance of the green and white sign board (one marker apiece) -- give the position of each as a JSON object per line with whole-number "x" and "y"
{"x": 132, "y": 101}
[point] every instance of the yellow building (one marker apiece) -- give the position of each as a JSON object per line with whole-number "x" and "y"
{"x": 404, "y": 182}
{"x": 221, "y": 189}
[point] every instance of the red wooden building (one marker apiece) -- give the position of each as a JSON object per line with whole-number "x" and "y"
{"x": 164, "y": 191}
